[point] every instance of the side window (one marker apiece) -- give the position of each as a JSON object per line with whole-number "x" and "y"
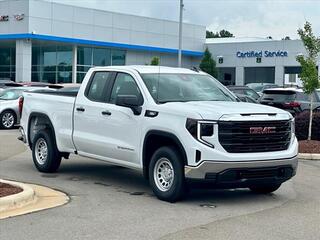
{"x": 96, "y": 91}
{"x": 302, "y": 97}
{"x": 124, "y": 84}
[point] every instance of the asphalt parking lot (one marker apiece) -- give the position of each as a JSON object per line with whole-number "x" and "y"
{"x": 109, "y": 202}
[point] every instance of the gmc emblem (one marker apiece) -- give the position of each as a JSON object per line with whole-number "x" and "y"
{"x": 262, "y": 130}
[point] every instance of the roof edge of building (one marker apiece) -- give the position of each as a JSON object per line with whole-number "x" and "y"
{"x": 98, "y": 43}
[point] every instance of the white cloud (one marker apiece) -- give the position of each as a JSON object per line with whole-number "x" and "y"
{"x": 257, "y": 18}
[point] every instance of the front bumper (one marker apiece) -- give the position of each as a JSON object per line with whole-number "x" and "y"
{"x": 243, "y": 174}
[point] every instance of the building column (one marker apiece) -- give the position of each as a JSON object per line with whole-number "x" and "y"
{"x": 74, "y": 63}
{"x": 279, "y": 75}
{"x": 23, "y": 60}
{"x": 239, "y": 76}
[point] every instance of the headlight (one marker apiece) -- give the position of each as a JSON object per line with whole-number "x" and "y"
{"x": 200, "y": 129}
{"x": 293, "y": 126}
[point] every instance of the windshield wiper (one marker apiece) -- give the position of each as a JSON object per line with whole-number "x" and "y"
{"x": 167, "y": 101}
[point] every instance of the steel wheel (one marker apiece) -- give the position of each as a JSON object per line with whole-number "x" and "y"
{"x": 41, "y": 151}
{"x": 7, "y": 120}
{"x": 163, "y": 174}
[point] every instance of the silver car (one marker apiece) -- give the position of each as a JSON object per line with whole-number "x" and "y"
{"x": 9, "y": 105}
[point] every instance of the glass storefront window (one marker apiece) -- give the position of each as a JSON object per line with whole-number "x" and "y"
{"x": 51, "y": 63}
{"x": 7, "y": 61}
{"x": 101, "y": 57}
{"x": 118, "y": 57}
{"x": 84, "y": 56}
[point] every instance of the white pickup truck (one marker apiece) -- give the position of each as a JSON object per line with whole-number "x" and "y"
{"x": 176, "y": 126}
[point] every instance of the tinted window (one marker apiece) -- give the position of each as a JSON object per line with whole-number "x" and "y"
{"x": 97, "y": 86}
{"x": 124, "y": 85}
{"x": 278, "y": 96}
{"x": 302, "y": 97}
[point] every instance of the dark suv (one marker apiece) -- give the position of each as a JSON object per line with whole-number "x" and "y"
{"x": 290, "y": 99}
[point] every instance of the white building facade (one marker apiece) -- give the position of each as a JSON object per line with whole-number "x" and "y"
{"x": 57, "y": 43}
{"x": 253, "y": 60}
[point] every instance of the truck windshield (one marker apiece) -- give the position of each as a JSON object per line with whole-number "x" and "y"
{"x": 185, "y": 87}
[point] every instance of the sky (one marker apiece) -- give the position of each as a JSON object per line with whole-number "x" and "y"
{"x": 243, "y": 18}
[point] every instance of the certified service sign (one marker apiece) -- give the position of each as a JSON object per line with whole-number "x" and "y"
{"x": 260, "y": 54}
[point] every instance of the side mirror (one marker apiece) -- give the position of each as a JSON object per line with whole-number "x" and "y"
{"x": 130, "y": 101}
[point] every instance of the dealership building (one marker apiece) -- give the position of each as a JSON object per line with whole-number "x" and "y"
{"x": 248, "y": 60}
{"x": 51, "y": 42}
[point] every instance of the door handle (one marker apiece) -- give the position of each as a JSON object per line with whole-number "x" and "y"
{"x": 80, "y": 109}
{"x": 106, "y": 113}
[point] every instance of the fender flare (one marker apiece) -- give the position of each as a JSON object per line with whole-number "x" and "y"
{"x": 160, "y": 133}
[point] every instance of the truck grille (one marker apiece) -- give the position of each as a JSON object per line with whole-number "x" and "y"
{"x": 237, "y": 137}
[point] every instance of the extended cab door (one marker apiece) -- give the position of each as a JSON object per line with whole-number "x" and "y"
{"x": 90, "y": 135}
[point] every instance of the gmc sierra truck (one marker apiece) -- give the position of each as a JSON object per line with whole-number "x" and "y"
{"x": 177, "y": 126}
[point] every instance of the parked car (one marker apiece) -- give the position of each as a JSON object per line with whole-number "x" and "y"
{"x": 260, "y": 87}
{"x": 245, "y": 98}
{"x": 244, "y": 90}
{"x": 175, "y": 125}
{"x": 4, "y": 83}
{"x": 293, "y": 100}
{"x": 9, "y": 106}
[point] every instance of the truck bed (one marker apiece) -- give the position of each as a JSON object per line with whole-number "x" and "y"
{"x": 58, "y": 107}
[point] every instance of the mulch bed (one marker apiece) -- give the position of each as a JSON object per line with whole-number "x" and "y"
{"x": 311, "y": 146}
{"x": 6, "y": 190}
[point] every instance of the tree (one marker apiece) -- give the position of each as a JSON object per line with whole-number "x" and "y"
{"x": 208, "y": 65}
{"x": 222, "y": 34}
{"x": 155, "y": 61}
{"x": 309, "y": 73}
{"x": 286, "y": 38}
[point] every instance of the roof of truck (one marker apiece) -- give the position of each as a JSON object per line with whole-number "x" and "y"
{"x": 152, "y": 69}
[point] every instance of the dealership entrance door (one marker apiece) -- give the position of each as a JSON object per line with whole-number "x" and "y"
{"x": 259, "y": 75}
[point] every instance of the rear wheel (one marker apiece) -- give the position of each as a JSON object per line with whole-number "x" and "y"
{"x": 8, "y": 119}
{"x": 166, "y": 174}
{"x": 45, "y": 154}
{"x": 266, "y": 188}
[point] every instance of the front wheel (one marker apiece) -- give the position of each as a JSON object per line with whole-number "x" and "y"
{"x": 166, "y": 174}
{"x": 45, "y": 154}
{"x": 266, "y": 188}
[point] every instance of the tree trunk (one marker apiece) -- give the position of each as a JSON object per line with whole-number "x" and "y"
{"x": 311, "y": 115}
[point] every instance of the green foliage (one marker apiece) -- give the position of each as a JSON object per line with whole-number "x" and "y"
{"x": 155, "y": 61}
{"x": 222, "y": 34}
{"x": 208, "y": 65}
{"x": 309, "y": 73}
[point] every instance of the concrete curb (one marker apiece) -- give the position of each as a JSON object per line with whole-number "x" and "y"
{"x": 309, "y": 156}
{"x": 26, "y": 197}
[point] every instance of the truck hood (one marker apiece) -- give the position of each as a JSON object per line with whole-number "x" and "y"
{"x": 214, "y": 110}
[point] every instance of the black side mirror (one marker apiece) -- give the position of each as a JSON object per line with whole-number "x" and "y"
{"x": 130, "y": 101}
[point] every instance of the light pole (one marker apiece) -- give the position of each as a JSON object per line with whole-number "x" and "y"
{"x": 180, "y": 34}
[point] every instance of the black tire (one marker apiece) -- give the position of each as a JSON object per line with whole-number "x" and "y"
{"x": 177, "y": 189}
{"x": 5, "y": 114}
{"x": 266, "y": 188}
{"x": 51, "y": 162}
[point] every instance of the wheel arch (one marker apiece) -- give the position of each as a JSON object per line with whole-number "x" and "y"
{"x": 155, "y": 139}
{"x": 36, "y": 122}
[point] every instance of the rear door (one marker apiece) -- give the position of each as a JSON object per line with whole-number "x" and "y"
{"x": 90, "y": 134}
